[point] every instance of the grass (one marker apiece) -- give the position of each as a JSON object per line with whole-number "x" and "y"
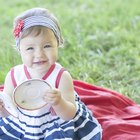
{"x": 101, "y": 41}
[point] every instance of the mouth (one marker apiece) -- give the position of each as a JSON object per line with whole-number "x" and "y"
{"x": 39, "y": 62}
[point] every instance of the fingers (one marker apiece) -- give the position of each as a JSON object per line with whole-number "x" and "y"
{"x": 52, "y": 91}
{"x": 1, "y": 101}
{"x": 1, "y": 104}
{"x": 52, "y": 96}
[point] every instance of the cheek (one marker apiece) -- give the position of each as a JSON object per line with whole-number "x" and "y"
{"x": 52, "y": 53}
{"x": 55, "y": 54}
{"x": 25, "y": 58}
{"x": 53, "y": 57}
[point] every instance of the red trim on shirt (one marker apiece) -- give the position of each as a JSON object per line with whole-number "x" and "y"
{"x": 48, "y": 72}
{"x": 56, "y": 85}
{"x": 44, "y": 77}
{"x": 1, "y": 87}
{"x": 59, "y": 77}
{"x": 13, "y": 78}
{"x": 26, "y": 72}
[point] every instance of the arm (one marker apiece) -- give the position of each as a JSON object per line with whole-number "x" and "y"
{"x": 66, "y": 107}
{"x": 8, "y": 85}
{"x": 63, "y": 99}
{"x": 8, "y": 89}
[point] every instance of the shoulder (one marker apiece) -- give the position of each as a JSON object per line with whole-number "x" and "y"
{"x": 66, "y": 87}
{"x": 58, "y": 66}
{"x": 8, "y": 84}
{"x": 66, "y": 81}
{"x": 17, "y": 71}
{"x": 65, "y": 76}
{"x": 18, "y": 67}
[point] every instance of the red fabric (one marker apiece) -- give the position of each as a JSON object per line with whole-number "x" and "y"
{"x": 1, "y": 87}
{"x": 118, "y": 115}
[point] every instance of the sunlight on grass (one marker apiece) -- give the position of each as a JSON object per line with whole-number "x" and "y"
{"x": 101, "y": 41}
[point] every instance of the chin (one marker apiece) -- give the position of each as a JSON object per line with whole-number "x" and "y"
{"x": 43, "y": 67}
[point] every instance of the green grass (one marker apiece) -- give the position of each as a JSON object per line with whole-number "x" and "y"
{"x": 102, "y": 44}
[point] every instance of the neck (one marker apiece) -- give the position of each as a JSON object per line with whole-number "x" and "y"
{"x": 37, "y": 73}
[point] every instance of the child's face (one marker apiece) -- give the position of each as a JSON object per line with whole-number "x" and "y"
{"x": 39, "y": 52}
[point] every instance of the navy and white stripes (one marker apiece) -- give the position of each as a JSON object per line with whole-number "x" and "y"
{"x": 42, "y": 125}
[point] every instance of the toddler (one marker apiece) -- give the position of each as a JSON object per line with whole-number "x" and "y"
{"x": 38, "y": 38}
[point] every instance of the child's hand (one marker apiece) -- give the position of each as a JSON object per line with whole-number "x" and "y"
{"x": 52, "y": 96}
{"x": 3, "y": 111}
{"x": 1, "y": 107}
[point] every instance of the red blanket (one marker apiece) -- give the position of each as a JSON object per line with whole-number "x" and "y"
{"x": 118, "y": 115}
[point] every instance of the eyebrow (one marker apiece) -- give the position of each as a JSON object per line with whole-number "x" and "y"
{"x": 26, "y": 44}
{"x": 31, "y": 45}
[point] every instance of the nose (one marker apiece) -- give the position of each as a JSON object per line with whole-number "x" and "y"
{"x": 39, "y": 53}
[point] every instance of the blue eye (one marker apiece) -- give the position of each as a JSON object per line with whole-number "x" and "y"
{"x": 47, "y": 46}
{"x": 30, "y": 48}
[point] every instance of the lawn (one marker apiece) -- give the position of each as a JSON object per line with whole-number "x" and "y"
{"x": 102, "y": 40}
